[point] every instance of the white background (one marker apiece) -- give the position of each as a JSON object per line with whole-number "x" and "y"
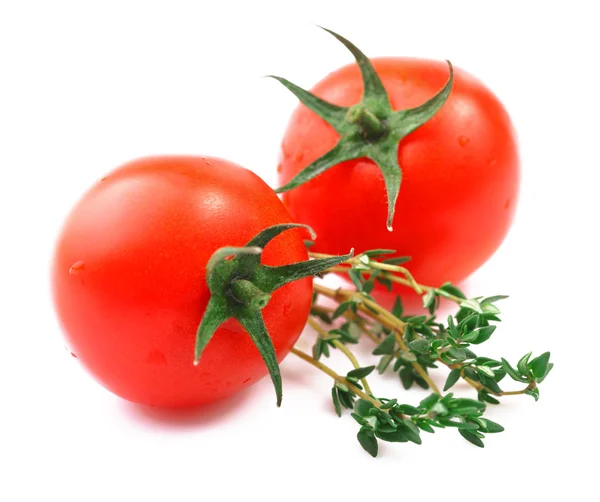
{"x": 86, "y": 86}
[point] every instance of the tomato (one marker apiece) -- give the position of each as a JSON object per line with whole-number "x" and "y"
{"x": 129, "y": 279}
{"x": 460, "y": 173}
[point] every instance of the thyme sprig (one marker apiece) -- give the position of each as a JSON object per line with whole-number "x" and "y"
{"x": 413, "y": 346}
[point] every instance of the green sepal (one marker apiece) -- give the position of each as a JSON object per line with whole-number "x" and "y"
{"x": 261, "y": 239}
{"x": 386, "y": 157}
{"x": 216, "y": 314}
{"x": 369, "y": 129}
{"x": 343, "y": 151}
{"x": 254, "y": 324}
{"x": 374, "y": 93}
{"x": 272, "y": 278}
{"x": 333, "y": 114}
{"x": 241, "y": 287}
{"x": 407, "y": 121}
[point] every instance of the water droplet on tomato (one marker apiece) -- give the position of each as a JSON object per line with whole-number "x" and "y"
{"x": 104, "y": 178}
{"x": 285, "y": 150}
{"x": 77, "y": 268}
{"x": 463, "y": 140}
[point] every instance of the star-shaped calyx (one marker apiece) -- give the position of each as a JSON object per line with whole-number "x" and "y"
{"x": 368, "y": 129}
{"x": 241, "y": 287}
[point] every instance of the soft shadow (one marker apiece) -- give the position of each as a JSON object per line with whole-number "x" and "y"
{"x": 328, "y": 407}
{"x": 296, "y": 376}
{"x": 187, "y": 418}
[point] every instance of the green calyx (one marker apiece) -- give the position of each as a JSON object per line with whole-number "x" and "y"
{"x": 241, "y": 287}
{"x": 369, "y": 129}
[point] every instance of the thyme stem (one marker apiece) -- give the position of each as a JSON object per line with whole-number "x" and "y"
{"x": 386, "y": 318}
{"x": 408, "y": 281}
{"x": 335, "y": 376}
{"x": 338, "y": 345}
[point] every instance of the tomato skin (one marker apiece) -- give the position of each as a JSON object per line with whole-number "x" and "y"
{"x": 129, "y": 278}
{"x": 460, "y": 173}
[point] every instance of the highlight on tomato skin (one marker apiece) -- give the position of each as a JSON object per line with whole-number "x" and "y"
{"x": 459, "y": 170}
{"x": 129, "y": 278}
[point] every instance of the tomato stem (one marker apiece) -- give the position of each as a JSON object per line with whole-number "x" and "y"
{"x": 371, "y": 127}
{"x": 388, "y": 273}
{"x": 338, "y": 378}
{"x": 381, "y": 315}
{"x": 248, "y": 294}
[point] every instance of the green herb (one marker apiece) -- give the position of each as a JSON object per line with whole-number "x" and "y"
{"x": 413, "y": 346}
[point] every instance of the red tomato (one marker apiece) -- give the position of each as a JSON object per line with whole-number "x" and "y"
{"x": 460, "y": 173}
{"x": 129, "y": 278}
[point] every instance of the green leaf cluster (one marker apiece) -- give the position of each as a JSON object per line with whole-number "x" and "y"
{"x": 401, "y": 423}
{"x": 427, "y": 342}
